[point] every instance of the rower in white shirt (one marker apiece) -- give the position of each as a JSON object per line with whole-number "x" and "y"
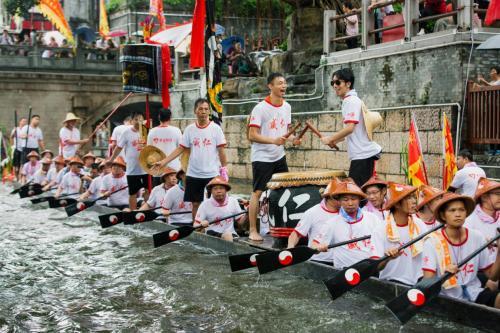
{"x": 72, "y": 181}
{"x": 173, "y": 202}
{"x": 375, "y": 190}
{"x": 157, "y": 196}
{"x": 53, "y": 174}
{"x": 41, "y": 175}
{"x": 350, "y": 223}
{"x": 314, "y": 220}
{"x": 94, "y": 190}
{"x": 466, "y": 178}
{"x": 29, "y": 168}
{"x": 428, "y": 197}
{"x": 114, "y": 181}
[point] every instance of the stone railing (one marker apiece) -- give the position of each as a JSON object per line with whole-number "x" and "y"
{"x": 42, "y": 58}
{"x": 407, "y": 26}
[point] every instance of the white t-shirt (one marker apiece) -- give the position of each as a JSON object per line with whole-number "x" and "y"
{"x": 339, "y": 230}
{"x": 203, "y": 141}
{"x": 61, "y": 174}
{"x": 117, "y": 133}
{"x": 52, "y": 175}
{"x": 34, "y": 135}
{"x": 467, "y": 275}
{"x": 18, "y": 141}
{"x": 405, "y": 268}
{"x": 167, "y": 138}
{"x": 359, "y": 146}
{"x": 71, "y": 183}
{"x": 467, "y": 178}
{"x": 273, "y": 121}
{"x": 431, "y": 224}
{"x": 311, "y": 224}
{"x": 210, "y": 210}
{"x": 129, "y": 141}
{"x": 66, "y": 149}
{"x": 95, "y": 189}
{"x": 40, "y": 177}
{"x": 111, "y": 184}
{"x": 380, "y": 213}
{"x": 29, "y": 169}
{"x": 174, "y": 201}
{"x": 157, "y": 196}
{"x": 485, "y": 224}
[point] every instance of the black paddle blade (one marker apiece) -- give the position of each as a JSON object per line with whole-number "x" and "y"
{"x": 78, "y": 207}
{"x": 110, "y": 220}
{"x": 57, "y": 203}
{"x": 409, "y": 303}
{"x": 240, "y": 262}
{"x": 271, "y": 261}
{"x": 30, "y": 191}
{"x": 139, "y": 216}
{"x": 40, "y": 200}
{"x": 170, "y": 236}
{"x": 25, "y": 187}
{"x": 350, "y": 277}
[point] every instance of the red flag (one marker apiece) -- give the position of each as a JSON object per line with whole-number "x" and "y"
{"x": 493, "y": 12}
{"x": 156, "y": 10}
{"x": 197, "y": 59}
{"x": 417, "y": 173}
{"x": 166, "y": 75}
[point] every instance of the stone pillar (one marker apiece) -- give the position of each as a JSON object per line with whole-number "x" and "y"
{"x": 329, "y": 29}
{"x": 306, "y": 29}
{"x": 410, "y": 12}
{"x": 464, "y": 17}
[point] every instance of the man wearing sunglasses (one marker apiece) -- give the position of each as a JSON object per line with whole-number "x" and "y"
{"x": 361, "y": 150}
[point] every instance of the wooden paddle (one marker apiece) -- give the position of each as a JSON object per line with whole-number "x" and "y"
{"x": 406, "y": 305}
{"x": 349, "y": 277}
{"x": 318, "y": 134}
{"x": 140, "y": 216}
{"x": 273, "y": 260}
{"x": 170, "y": 236}
{"x": 292, "y": 130}
{"x": 51, "y": 197}
{"x": 20, "y": 188}
{"x": 80, "y": 206}
{"x": 109, "y": 220}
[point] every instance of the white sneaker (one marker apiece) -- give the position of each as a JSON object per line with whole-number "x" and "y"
{"x": 421, "y": 32}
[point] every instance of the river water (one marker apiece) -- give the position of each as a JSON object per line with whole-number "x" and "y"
{"x": 69, "y": 275}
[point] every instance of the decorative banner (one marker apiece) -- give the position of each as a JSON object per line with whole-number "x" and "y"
{"x": 449, "y": 163}
{"x": 103, "y": 20}
{"x": 213, "y": 66}
{"x": 197, "y": 59}
{"x": 417, "y": 173}
{"x": 156, "y": 10}
{"x": 493, "y": 12}
{"x": 53, "y": 11}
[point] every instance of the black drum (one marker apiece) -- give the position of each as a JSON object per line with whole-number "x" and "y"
{"x": 291, "y": 194}
{"x": 141, "y": 68}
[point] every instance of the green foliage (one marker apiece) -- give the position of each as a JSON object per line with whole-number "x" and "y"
{"x": 403, "y": 158}
{"x": 114, "y": 5}
{"x": 20, "y": 7}
{"x": 398, "y": 8}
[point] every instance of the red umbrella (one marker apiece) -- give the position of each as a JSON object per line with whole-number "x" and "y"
{"x": 117, "y": 33}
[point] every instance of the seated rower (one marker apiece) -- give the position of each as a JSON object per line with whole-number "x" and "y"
{"x": 448, "y": 246}
{"x": 486, "y": 216}
{"x": 47, "y": 153}
{"x": 350, "y": 223}
{"x": 115, "y": 181}
{"x": 399, "y": 227}
{"x": 72, "y": 181}
{"x": 52, "y": 175}
{"x": 169, "y": 180}
{"x": 88, "y": 160}
{"x": 29, "y": 168}
{"x": 218, "y": 205}
{"x": 40, "y": 176}
{"x": 375, "y": 190}
{"x": 428, "y": 197}
{"x": 174, "y": 202}
{"x": 314, "y": 220}
{"x": 94, "y": 190}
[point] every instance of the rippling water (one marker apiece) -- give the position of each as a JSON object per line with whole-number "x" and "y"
{"x": 67, "y": 275}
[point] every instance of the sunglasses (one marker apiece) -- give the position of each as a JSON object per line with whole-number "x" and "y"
{"x": 335, "y": 82}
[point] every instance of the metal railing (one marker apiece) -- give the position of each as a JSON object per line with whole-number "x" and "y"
{"x": 483, "y": 115}
{"x": 462, "y": 16}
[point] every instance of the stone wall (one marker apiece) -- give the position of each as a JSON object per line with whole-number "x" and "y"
{"x": 312, "y": 155}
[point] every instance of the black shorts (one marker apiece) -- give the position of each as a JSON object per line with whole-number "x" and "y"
{"x": 135, "y": 183}
{"x": 362, "y": 170}
{"x": 195, "y": 189}
{"x": 263, "y": 171}
{"x": 16, "y": 160}
{"x": 487, "y": 297}
{"x": 25, "y": 153}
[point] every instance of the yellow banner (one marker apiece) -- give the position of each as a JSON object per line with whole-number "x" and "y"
{"x": 103, "y": 20}
{"x": 53, "y": 11}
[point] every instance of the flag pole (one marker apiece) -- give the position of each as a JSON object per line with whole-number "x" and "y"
{"x": 148, "y": 125}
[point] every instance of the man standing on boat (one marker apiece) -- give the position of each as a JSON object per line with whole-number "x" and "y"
{"x": 269, "y": 123}
{"x": 205, "y": 141}
{"x": 428, "y": 198}
{"x": 32, "y": 136}
{"x": 69, "y": 137}
{"x": 165, "y": 137}
{"x": 448, "y": 246}
{"x": 314, "y": 220}
{"x": 117, "y": 133}
{"x": 350, "y": 223}
{"x": 375, "y": 190}
{"x": 17, "y": 143}
{"x": 362, "y": 151}
{"x": 399, "y": 227}
{"x": 466, "y": 178}
{"x": 132, "y": 143}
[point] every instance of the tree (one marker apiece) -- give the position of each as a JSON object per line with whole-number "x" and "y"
{"x": 20, "y": 7}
